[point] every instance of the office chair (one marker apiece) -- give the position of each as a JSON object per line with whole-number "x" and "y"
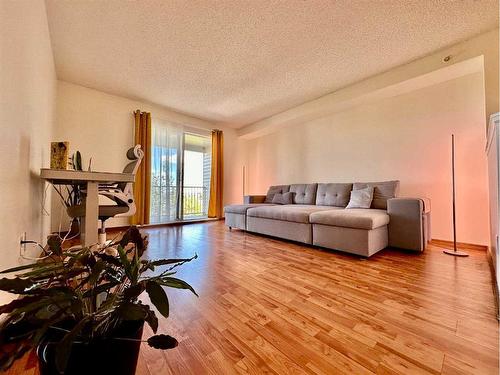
{"x": 122, "y": 194}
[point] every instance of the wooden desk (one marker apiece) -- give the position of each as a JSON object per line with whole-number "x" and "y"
{"x": 91, "y": 180}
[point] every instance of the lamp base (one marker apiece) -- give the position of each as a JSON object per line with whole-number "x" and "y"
{"x": 456, "y": 253}
{"x": 102, "y": 238}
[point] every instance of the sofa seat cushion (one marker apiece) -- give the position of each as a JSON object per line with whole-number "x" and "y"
{"x": 298, "y": 213}
{"x": 358, "y": 218}
{"x": 242, "y": 208}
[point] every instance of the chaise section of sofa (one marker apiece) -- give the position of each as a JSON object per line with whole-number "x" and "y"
{"x": 357, "y": 231}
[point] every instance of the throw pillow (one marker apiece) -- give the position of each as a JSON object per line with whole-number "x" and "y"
{"x": 274, "y": 190}
{"x": 382, "y": 191}
{"x": 361, "y": 198}
{"x": 283, "y": 198}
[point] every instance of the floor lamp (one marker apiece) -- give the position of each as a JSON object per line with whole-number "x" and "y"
{"x": 243, "y": 183}
{"x": 454, "y": 252}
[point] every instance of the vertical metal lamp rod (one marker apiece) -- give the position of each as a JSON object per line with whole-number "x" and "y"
{"x": 453, "y": 183}
{"x": 244, "y": 182}
{"x": 455, "y": 252}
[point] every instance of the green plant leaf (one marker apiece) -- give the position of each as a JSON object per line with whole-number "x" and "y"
{"x": 125, "y": 239}
{"x": 158, "y": 297}
{"x": 125, "y": 262}
{"x": 138, "y": 240}
{"x": 47, "y": 325}
{"x": 151, "y": 264}
{"x": 21, "y": 268}
{"x": 48, "y": 270}
{"x": 174, "y": 282}
{"x": 87, "y": 259}
{"x": 32, "y": 308}
{"x": 78, "y": 161}
{"x": 54, "y": 290}
{"x": 109, "y": 259}
{"x": 96, "y": 272}
{"x": 162, "y": 342}
{"x": 134, "y": 291}
{"x": 135, "y": 266}
{"x": 76, "y": 307}
{"x": 99, "y": 289}
{"x": 61, "y": 275}
{"x": 18, "y": 303}
{"x": 16, "y": 328}
{"x": 131, "y": 311}
{"x": 16, "y": 285}
{"x": 163, "y": 262}
{"x": 114, "y": 275}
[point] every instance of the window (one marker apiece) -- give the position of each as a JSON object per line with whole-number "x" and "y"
{"x": 180, "y": 173}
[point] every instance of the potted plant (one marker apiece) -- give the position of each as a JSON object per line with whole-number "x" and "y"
{"x": 80, "y": 308}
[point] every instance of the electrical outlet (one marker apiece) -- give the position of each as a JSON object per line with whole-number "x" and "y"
{"x": 22, "y": 246}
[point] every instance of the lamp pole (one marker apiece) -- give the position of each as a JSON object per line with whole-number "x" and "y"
{"x": 455, "y": 252}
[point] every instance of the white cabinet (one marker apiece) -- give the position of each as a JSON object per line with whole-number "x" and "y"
{"x": 492, "y": 150}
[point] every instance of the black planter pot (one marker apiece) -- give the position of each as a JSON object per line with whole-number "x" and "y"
{"x": 103, "y": 356}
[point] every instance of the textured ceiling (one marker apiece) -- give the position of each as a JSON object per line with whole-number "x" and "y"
{"x": 238, "y": 61}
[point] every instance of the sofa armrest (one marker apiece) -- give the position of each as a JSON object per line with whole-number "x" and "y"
{"x": 248, "y": 199}
{"x": 409, "y": 224}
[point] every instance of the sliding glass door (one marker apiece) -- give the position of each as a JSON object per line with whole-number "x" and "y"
{"x": 180, "y": 173}
{"x": 196, "y": 176}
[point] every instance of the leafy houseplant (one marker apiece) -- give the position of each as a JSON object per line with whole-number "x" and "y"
{"x": 81, "y": 304}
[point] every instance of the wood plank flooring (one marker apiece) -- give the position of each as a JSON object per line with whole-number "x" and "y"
{"x": 269, "y": 306}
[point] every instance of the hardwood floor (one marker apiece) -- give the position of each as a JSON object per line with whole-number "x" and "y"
{"x": 268, "y": 306}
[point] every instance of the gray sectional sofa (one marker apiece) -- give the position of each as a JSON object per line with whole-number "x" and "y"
{"x": 318, "y": 216}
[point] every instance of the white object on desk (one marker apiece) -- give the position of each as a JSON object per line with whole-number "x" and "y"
{"x": 92, "y": 181}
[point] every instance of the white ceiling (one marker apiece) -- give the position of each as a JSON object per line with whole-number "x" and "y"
{"x": 239, "y": 61}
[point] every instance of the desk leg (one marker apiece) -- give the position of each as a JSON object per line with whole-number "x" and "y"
{"x": 91, "y": 218}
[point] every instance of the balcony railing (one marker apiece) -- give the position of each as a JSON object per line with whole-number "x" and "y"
{"x": 164, "y": 203}
{"x": 195, "y": 201}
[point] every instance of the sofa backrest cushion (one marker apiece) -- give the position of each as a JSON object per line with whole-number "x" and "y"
{"x": 304, "y": 193}
{"x": 336, "y": 194}
{"x": 285, "y": 198}
{"x": 382, "y": 191}
{"x": 274, "y": 190}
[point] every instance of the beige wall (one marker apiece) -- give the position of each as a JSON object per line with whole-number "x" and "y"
{"x": 101, "y": 126}
{"x": 27, "y": 97}
{"x": 406, "y": 137}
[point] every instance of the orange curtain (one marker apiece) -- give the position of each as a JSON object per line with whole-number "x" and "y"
{"x": 142, "y": 186}
{"x": 216, "y": 177}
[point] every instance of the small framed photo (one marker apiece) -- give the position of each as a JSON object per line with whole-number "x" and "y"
{"x": 59, "y": 152}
